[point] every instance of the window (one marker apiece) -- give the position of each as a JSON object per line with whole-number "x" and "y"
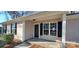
{"x": 4, "y": 28}
{"x": 14, "y": 28}
{"x": 49, "y": 30}
{"x": 53, "y": 29}
{"x": 0, "y": 30}
{"x": 46, "y": 29}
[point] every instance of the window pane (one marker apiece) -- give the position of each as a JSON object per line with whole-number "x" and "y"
{"x": 53, "y": 29}
{"x": 46, "y": 26}
{"x": 13, "y": 31}
{"x": 0, "y": 30}
{"x": 46, "y": 29}
{"x": 14, "y": 28}
{"x": 5, "y": 28}
{"x": 53, "y": 33}
{"x": 46, "y": 32}
{"x": 53, "y": 26}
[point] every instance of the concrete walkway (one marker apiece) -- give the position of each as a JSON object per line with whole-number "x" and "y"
{"x": 22, "y": 45}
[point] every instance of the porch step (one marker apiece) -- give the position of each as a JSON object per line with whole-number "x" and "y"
{"x": 40, "y": 40}
{"x": 45, "y": 44}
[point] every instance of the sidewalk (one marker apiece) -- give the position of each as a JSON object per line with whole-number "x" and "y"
{"x": 22, "y": 45}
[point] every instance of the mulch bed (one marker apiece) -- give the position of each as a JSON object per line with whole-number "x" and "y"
{"x": 68, "y": 45}
{"x": 72, "y": 46}
{"x": 36, "y": 46}
{"x": 12, "y": 44}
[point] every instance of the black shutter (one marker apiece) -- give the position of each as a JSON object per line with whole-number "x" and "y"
{"x": 60, "y": 29}
{"x": 11, "y": 28}
{"x": 15, "y": 28}
{"x": 41, "y": 28}
{"x": 6, "y": 28}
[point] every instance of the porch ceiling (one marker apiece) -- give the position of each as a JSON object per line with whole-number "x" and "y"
{"x": 46, "y": 15}
{"x": 57, "y": 17}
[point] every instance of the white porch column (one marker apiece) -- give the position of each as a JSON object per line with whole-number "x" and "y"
{"x": 63, "y": 31}
{"x": 24, "y": 33}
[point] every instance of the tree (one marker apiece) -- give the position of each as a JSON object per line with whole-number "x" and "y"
{"x": 15, "y": 14}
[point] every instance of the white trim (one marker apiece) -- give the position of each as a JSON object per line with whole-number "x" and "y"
{"x": 24, "y": 32}
{"x": 40, "y": 36}
{"x": 57, "y": 29}
{"x": 43, "y": 27}
{"x": 49, "y": 28}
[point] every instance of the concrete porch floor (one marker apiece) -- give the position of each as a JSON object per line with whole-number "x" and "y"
{"x": 36, "y": 41}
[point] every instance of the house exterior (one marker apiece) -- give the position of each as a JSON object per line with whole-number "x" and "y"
{"x": 50, "y": 25}
{"x": 0, "y": 29}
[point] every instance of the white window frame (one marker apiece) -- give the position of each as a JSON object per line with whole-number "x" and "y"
{"x": 56, "y": 28}
{"x": 43, "y": 27}
{"x": 49, "y": 28}
{"x": 14, "y": 24}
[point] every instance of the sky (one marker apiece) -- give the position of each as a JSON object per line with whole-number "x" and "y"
{"x": 3, "y": 17}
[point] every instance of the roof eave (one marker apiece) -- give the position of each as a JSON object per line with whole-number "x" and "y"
{"x": 30, "y": 17}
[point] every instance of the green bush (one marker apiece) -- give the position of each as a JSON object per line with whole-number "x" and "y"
{"x": 8, "y": 37}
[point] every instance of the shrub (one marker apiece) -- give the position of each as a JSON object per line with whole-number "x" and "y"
{"x": 8, "y": 38}
{"x": 2, "y": 43}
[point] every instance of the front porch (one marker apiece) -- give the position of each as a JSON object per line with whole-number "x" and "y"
{"x": 47, "y": 27}
{"x": 52, "y": 27}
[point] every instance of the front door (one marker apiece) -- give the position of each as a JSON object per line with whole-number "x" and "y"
{"x": 60, "y": 29}
{"x": 36, "y": 30}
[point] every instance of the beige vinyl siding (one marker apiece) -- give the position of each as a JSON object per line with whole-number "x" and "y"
{"x": 72, "y": 30}
{"x": 28, "y": 30}
{"x": 19, "y": 34}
